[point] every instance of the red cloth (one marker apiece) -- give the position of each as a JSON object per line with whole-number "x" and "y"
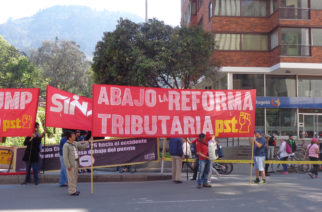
{"x": 203, "y": 149}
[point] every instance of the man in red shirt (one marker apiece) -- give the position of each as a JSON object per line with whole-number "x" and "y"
{"x": 204, "y": 162}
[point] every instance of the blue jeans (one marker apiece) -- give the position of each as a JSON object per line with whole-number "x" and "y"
{"x": 34, "y": 166}
{"x": 284, "y": 165}
{"x": 63, "y": 180}
{"x": 204, "y": 167}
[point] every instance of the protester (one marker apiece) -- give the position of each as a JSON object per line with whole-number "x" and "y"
{"x": 213, "y": 155}
{"x": 176, "y": 152}
{"x": 283, "y": 155}
{"x": 63, "y": 180}
{"x": 271, "y": 144}
{"x": 259, "y": 155}
{"x": 292, "y": 143}
{"x": 194, "y": 156}
{"x": 71, "y": 161}
{"x": 204, "y": 162}
{"x": 313, "y": 152}
{"x": 186, "y": 153}
{"x": 32, "y": 154}
{"x": 79, "y": 136}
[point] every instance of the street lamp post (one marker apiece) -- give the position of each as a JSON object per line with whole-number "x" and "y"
{"x": 146, "y": 11}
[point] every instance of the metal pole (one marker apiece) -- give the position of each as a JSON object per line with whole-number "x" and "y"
{"x": 146, "y": 11}
{"x": 92, "y": 170}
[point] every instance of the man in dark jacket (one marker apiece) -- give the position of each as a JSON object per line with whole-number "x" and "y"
{"x": 31, "y": 156}
{"x": 176, "y": 152}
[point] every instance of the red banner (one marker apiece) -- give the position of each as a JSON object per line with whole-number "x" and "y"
{"x": 120, "y": 111}
{"x": 67, "y": 110}
{"x": 18, "y": 110}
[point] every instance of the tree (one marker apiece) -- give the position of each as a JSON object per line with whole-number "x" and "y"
{"x": 64, "y": 66}
{"x": 152, "y": 54}
{"x": 16, "y": 70}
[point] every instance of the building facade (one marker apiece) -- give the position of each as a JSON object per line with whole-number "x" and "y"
{"x": 273, "y": 46}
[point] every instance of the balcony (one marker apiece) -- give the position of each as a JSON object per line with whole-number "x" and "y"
{"x": 294, "y": 13}
{"x": 295, "y": 50}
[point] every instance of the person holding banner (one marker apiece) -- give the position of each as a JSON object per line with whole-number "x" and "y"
{"x": 31, "y": 156}
{"x": 204, "y": 161}
{"x": 63, "y": 181}
{"x": 259, "y": 155}
{"x": 176, "y": 152}
{"x": 71, "y": 161}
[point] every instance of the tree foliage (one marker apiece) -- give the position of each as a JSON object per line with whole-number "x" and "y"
{"x": 16, "y": 70}
{"x": 152, "y": 54}
{"x": 64, "y": 66}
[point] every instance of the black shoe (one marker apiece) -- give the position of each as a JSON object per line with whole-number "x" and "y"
{"x": 25, "y": 182}
{"x": 257, "y": 181}
{"x": 178, "y": 181}
{"x": 78, "y": 192}
{"x": 199, "y": 186}
{"x": 63, "y": 185}
{"x": 75, "y": 194}
{"x": 193, "y": 179}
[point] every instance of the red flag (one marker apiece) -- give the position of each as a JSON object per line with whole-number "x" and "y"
{"x": 67, "y": 110}
{"x": 18, "y": 110}
{"x": 121, "y": 111}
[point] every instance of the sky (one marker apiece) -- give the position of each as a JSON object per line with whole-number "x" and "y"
{"x": 165, "y": 10}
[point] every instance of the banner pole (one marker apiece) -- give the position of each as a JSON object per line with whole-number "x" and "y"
{"x": 92, "y": 187}
{"x": 163, "y": 155}
{"x": 251, "y": 164}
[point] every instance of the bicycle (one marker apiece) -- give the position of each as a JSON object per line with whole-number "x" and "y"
{"x": 224, "y": 168}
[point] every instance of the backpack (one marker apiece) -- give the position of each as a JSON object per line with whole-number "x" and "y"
{"x": 272, "y": 141}
{"x": 288, "y": 148}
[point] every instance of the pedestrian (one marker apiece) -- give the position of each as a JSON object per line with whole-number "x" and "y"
{"x": 195, "y": 165}
{"x": 79, "y": 136}
{"x": 63, "y": 180}
{"x": 204, "y": 162}
{"x": 271, "y": 144}
{"x": 186, "y": 153}
{"x": 71, "y": 161}
{"x": 283, "y": 155}
{"x": 259, "y": 155}
{"x": 32, "y": 154}
{"x": 292, "y": 143}
{"x": 313, "y": 152}
{"x": 213, "y": 155}
{"x": 176, "y": 152}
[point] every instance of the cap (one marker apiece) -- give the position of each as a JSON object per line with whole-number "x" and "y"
{"x": 258, "y": 131}
{"x": 315, "y": 140}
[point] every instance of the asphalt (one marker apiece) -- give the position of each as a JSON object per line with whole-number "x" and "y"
{"x": 294, "y": 192}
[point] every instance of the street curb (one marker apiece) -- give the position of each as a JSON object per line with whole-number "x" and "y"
{"x": 54, "y": 178}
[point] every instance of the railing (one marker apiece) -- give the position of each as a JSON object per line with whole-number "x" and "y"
{"x": 294, "y": 13}
{"x": 295, "y": 50}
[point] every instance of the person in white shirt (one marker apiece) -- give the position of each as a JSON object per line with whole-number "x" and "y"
{"x": 283, "y": 155}
{"x": 212, "y": 151}
{"x": 186, "y": 152}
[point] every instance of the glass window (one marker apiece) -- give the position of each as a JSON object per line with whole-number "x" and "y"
{"x": 256, "y": 8}
{"x": 254, "y": 42}
{"x": 316, "y": 4}
{"x": 227, "y": 41}
{"x": 260, "y": 119}
{"x": 274, "y": 39}
{"x": 249, "y": 81}
{"x": 310, "y": 86}
{"x": 210, "y": 11}
{"x": 273, "y": 6}
{"x": 281, "y": 122}
{"x": 194, "y": 7}
{"x": 295, "y": 3}
{"x": 295, "y": 42}
{"x": 199, "y": 4}
{"x": 227, "y": 7}
{"x": 277, "y": 85}
{"x": 317, "y": 37}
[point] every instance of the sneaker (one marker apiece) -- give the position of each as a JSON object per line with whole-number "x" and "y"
{"x": 74, "y": 194}
{"x": 178, "y": 181}
{"x": 263, "y": 182}
{"x": 199, "y": 186}
{"x": 257, "y": 181}
{"x": 193, "y": 179}
{"x": 206, "y": 185}
{"x": 284, "y": 173}
{"x": 64, "y": 185}
{"x": 311, "y": 175}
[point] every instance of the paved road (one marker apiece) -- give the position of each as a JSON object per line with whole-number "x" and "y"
{"x": 295, "y": 192}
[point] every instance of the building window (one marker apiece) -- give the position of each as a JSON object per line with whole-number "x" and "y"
{"x": 273, "y": 6}
{"x": 227, "y": 41}
{"x": 277, "y": 85}
{"x": 245, "y": 42}
{"x": 211, "y": 13}
{"x": 281, "y": 122}
{"x": 310, "y": 86}
{"x": 295, "y": 42}
{"x": 317, "y": 37}
{"x": 316, "y": 4}
{"x": 294, "y": 9}
{"x": 257, "y": 8}
{"x": 254, "y": 42}
{"x": 260, "y": 119}
{"x": 194, "y": 7}
{"x": 227, "y": 8}
{"x": 274, "y": 39}
{"x": 249, "y": 81}
{"x": 199, "y": 4}
{"x": 187, "y": 15}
